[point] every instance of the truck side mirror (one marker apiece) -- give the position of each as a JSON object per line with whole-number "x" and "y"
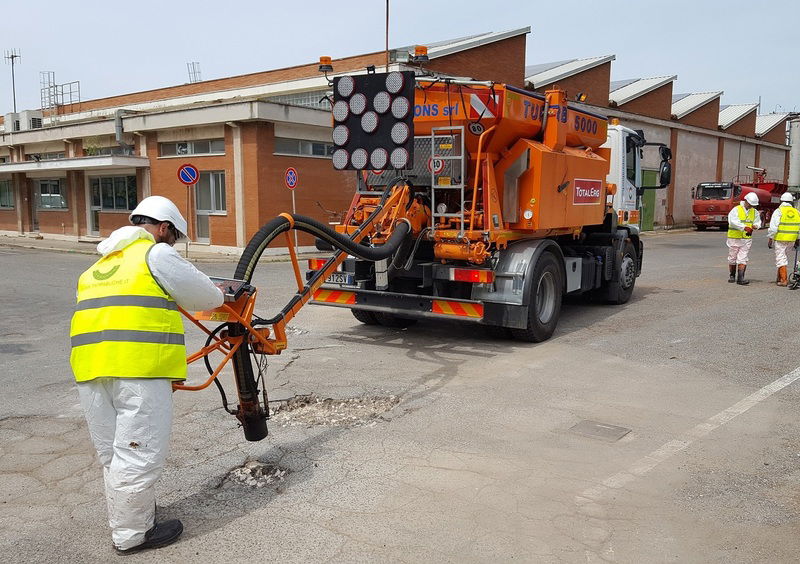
{"x": 665, "y": 173}
{"x": 666, "y": 153}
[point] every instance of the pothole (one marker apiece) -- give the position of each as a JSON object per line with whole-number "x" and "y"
{"x": 255, "y": 474}
{"x": 348, "y": 412}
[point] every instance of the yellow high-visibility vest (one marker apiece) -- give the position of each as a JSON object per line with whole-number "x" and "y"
{"x": 747, "y": 217}
{"x": 125, "y": 325}
{"x": 789, "y": 227}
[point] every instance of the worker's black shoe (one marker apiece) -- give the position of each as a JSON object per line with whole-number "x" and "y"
{"x": 160, "y": 535}
{"x": 732, "y": 273}
{"x": 740, "y": 276}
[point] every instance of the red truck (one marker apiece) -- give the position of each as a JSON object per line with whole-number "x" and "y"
{"x": 712, "y": 201}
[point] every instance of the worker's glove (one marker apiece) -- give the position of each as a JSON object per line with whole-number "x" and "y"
{"x": 749, "y": 231}
{"x": 769, "y": 243}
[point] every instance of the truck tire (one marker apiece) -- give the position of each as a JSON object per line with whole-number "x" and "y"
{"x": 701, "y": 227}
{"x": 392, "y": 320}
{"x": 544, "y": 309}
{"x": 364, "y": 316}
{"x": 619, "y": 291}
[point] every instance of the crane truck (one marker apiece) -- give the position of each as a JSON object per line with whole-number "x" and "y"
{"x": 475, "y": 201}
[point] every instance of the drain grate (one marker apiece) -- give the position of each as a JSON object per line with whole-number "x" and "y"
{"x": 597, "y": 430}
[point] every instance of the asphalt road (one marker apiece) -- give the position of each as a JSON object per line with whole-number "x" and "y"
{"x": 442, "y": 444}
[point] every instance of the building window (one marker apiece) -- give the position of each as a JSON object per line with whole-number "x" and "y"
{"x": 51, "y": 195}
{"x": 302, "y": 147}
{"x": 6, "y": 195}
{"x": 105, "y": 151}
{"x": 199, "y": 147}
{"x": 114, "y": 193}
{"x": 314, "y": 99}
{"x": 45, "y": 156}
{"x": 210, "y": 192}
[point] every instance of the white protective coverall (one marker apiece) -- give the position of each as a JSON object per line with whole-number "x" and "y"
{"x": 121, "y": 412}
{"x": 781, "y": 247}
{"x": 738, "y": 249}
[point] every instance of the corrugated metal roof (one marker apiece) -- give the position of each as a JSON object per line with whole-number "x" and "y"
{"x": 687, "y": 103}
{"x": 617, "y": 84}
{"x": 530, "y": 70}
{"x": 634, "y": 88}
{"x": 450, "y": 46}
{"x": 564, "y": 69}
{"x": 733, "y": 113}
{"x": 768, "y": 122}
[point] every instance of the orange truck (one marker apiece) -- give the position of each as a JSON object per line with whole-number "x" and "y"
{"x": 514, "y": 200}
{"x": 475, "y": 201}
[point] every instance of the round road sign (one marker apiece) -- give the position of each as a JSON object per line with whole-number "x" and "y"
{"x": 188, "y": 174}
{"x": 435, "y": 165}
{"x": 290, "y": 178}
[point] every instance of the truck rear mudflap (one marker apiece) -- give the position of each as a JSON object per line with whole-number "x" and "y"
{"x": 406, "y": 305}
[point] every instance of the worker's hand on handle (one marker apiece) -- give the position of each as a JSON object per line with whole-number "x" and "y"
{"x": 749, "y": 231}
{"x": 769, "y": 243}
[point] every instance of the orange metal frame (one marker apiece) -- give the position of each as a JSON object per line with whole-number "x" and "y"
{"x": 241, "y": 311}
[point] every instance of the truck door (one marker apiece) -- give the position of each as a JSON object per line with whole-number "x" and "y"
{"x": 647, "y": 213}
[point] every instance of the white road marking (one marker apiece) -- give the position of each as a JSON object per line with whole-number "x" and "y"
{"x": 667, "y": 450}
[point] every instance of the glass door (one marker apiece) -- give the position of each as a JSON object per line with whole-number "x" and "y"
{"x": 94, "y": 207}
{"x": 35, "y": 203}
{"x": 209, "y": 200}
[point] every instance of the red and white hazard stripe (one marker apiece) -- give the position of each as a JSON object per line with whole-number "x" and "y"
{"x": 482, "y": 106}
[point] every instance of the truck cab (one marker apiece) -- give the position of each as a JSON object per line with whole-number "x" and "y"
{"x": 711, "y": 203}
{"x": 625, "y": 171}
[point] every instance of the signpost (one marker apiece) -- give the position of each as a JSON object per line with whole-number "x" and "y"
{"x": 290, "y": 178}
{"x": 188, "y": 175}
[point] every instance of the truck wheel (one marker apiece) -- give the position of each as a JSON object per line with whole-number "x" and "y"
{"x": 701, "y": 227}
{"x": 544, "y": 309}
{"x": 619, "y": 291}
{"x": 364, "y": 316}
{"x": 392, "y": 320}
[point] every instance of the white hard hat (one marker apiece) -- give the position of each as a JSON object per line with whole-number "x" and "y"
{"x": 751, "y": 199}
{"x": 161, "y": 209}
{"x": 787, "y": 197}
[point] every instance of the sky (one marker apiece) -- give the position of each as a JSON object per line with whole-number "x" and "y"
{"x": 750, "y": 50}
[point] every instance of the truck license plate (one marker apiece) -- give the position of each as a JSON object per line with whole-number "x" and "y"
{"x": 340, "y": 278}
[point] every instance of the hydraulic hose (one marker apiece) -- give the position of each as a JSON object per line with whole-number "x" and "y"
{"x": 250, "y": 414}
{"x": 279, "y": 225}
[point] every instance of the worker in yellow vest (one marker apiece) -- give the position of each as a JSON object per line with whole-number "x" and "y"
{"x": 742, "y": 220}
{"x": 783, "y": 231}
{"x": 127, "y": 349}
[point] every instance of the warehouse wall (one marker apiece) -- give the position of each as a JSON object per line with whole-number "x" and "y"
{"x": 736, "y": 156}
{"x": 695, "y": 162}
{"x": 774, "y": 161}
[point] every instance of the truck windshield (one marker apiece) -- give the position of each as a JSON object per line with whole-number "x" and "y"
{"x": 713, "y": 192}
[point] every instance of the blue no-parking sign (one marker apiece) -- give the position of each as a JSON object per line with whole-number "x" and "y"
{"x": 291, "y": 178}
{"x": 188, "y": 174}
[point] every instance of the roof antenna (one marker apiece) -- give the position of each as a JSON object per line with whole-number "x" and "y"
{"x": 194, "y": 72}
{"x": 11, "y": 55}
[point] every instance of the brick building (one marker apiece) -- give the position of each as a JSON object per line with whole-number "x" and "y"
{"x": 709, "y": 142}
{"x": 77, "y": 172}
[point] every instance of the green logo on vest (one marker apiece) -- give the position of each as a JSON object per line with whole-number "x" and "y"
{"x": 105, "y": 275}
